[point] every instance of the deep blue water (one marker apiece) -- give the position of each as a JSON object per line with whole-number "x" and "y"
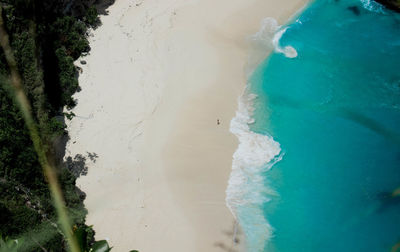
{"x": 335, "y": 110}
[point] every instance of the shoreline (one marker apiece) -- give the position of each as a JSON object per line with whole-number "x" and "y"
{"x": 170, "y": 70}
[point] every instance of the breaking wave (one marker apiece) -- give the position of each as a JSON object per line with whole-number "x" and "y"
{"x": 256, "y": 153}
{"x": 246, "y": 190}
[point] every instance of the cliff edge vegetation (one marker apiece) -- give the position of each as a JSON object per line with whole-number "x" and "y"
{"x": 43, "y": 37}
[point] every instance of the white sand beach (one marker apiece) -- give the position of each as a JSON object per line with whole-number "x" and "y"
{"x": 159, "y": 76}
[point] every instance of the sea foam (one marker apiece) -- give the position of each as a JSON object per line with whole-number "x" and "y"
{"x": 271, "y": 29}
{"x": 371, "y": 5}
{"x": 288, "y": 51}
{"x": 256, "y": 153}
{"x": 246, "y": 190}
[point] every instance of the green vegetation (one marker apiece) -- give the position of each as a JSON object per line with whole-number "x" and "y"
{"x": 16, "y": 245}
{"x": 45, "y": 37}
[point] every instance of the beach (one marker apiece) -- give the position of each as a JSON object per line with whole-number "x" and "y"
{"x": 159, "y": 88}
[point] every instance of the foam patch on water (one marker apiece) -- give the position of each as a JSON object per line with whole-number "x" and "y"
{"x": 270, "y": 34}
{"x": 246, "y": 190}
{"x": 371, "y": 5}
{"x": 288, "y": 51}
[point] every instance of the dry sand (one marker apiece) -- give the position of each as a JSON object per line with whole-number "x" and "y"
{"x": 159, "y": 76}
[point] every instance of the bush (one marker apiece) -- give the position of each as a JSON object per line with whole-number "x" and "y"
{"x": 70, "y": 34}
{"x": 67, "y": 75}
{"x": 92, "y": 17}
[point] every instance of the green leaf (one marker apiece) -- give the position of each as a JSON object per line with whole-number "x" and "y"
{"x": 80, "y": 236}
{"x": 100, "y": 246}
{"x": 8, "y": 245}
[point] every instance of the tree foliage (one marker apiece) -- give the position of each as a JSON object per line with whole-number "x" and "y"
{"x": 46, "y": 37}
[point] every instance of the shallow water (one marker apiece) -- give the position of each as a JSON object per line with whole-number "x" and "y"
{"x": 331, "y": 102}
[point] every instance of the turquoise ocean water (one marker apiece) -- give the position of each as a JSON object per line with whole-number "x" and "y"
{"x": 329, "y": 96}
